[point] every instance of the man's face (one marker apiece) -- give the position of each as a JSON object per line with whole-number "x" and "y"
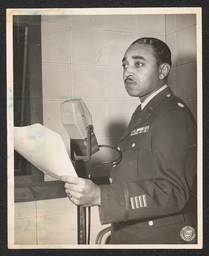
{"x": 141, "y": 72}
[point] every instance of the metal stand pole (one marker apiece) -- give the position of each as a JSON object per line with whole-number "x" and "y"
{"x": 80, "y": 166}
{"x": 81, "y": 222}
{"x": 81, "y": 211}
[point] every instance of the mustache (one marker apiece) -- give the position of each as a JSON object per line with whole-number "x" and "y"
{"x": 129, "y": 79}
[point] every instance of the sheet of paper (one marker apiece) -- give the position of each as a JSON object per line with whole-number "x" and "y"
{"x": 43, "y": 148}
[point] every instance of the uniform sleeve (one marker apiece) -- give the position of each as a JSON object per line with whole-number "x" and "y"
{"x": 174, "y": 157}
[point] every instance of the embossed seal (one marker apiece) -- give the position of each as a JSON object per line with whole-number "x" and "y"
{"x": 188, "y": 233}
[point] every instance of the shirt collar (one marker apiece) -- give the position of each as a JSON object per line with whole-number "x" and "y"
{"x": 143, "y": 104}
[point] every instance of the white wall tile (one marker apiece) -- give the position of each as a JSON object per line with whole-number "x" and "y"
{"x": 170, "y": 23}
{"x": 25, "y": 210}
{"x": 119, "y": 115}
{"x": 92, "y": 21}
{"x": 55, "y": 43}
{"x": 57, "y": 229}
{"x": 171, "y": 42}
{"x": 88, "y": 46}
{"x": 115, "y": 86}
{"x": 187, "y": 80}
{"x": 117, "y": 44}
{"x": 25, "y": 231}
{"x": 172, "y": 81}
{"x": 88, "y": 81}
{"x": 121, "y": 23}
{"x": 63, "y": 20}
{"x": 55, "y": 206}
{"x": 52, "y": 117}
{"x": 186, "y": 45}
{"x": 56, "y": 81}
{"x": 151, "y": 24}
{"x": 185, "y": 20}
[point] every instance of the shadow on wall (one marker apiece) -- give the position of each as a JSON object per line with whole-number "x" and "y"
{"x": 115, "y": 131}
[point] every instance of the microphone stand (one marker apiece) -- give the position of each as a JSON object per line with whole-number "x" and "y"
{"x": 80, "y": 166}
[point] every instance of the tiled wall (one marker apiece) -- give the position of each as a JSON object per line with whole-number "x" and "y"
{"x": 181, "y": 38}
{"x": 45, "y": 222}
{"x": 82, "y": 58}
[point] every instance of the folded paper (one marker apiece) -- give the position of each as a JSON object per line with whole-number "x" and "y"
{"x": 43, "y": 148}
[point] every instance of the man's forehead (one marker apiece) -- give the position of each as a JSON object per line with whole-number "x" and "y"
{"x": 141, "y": 50}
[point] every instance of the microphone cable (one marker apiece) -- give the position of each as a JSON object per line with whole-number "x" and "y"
{"x": 113, "y": 162}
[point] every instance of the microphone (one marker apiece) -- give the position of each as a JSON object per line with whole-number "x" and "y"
{"x": 78, "y": 123}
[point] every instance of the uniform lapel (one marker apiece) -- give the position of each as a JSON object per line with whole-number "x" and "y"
{"x": 139, "y": 118}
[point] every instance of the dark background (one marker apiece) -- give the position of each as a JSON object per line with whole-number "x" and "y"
{"x": 3, "y": 130}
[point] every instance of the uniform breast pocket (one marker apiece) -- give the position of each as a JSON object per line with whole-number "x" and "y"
{"x": 145, "y": 161}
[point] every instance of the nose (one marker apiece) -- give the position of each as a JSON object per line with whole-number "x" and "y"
{"x": 128, "y": 73}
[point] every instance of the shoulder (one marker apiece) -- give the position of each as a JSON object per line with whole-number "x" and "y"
{"x": 172, "y": 114}
{"x": 172, "y": 106}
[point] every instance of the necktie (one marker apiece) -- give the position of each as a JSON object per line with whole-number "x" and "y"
{"x": 139, "y": 108}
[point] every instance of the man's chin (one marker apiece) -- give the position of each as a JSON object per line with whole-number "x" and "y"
{"x": 132, "y": 94}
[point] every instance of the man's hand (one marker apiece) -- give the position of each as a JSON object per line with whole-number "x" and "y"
{"x": 82, "y": 191}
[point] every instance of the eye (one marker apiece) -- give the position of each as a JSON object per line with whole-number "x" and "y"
{"x": 124, "y": 66}
{"x": 138, "y": 64}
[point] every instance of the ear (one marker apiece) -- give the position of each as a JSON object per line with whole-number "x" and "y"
{"x": 164, "y": 70}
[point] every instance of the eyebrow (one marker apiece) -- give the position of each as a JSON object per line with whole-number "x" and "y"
{"x": 135, "y": 58}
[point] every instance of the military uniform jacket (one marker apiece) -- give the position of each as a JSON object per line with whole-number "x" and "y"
{"x": 153, "y": 195}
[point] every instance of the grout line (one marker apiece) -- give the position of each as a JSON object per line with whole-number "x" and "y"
{"x": 189, "y": 26}
{"x": 66, "y": 63}
{"x": 185, "y": 63}
{"x": 54, "y": 25}
{"x": 58, "y": 213}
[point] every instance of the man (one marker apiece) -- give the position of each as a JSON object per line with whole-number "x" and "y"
{"x": 152, "y": 197}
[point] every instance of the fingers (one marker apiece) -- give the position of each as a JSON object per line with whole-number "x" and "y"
{"x": 70, "y": 179}
{"x": 73, "y": 180}
{"x": 74, "y": 197}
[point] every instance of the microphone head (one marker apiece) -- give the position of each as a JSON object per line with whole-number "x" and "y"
{"x": 78, "y": 123}
{"x": 75, "y": 118}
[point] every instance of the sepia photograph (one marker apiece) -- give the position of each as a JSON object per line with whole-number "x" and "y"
{"x": 104, "y": 120}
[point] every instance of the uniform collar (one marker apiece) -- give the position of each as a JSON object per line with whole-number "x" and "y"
{"x": 154, "y": 102}
{"x": 143, "y": 104}
{"x": 148, "y": 109}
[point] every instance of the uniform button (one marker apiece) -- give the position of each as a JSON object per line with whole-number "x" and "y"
{"x": 118, "y": 148}
{"x": 181, "y": 105}
{"x": 168, "y": 95}
{"x": 150, "y": 223}
{"x": 110, "y": 180}
{"x": 133, "y": 145}
{"x": 114, "y": 165}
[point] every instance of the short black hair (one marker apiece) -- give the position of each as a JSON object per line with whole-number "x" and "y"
{"x": 162, "y": 51}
